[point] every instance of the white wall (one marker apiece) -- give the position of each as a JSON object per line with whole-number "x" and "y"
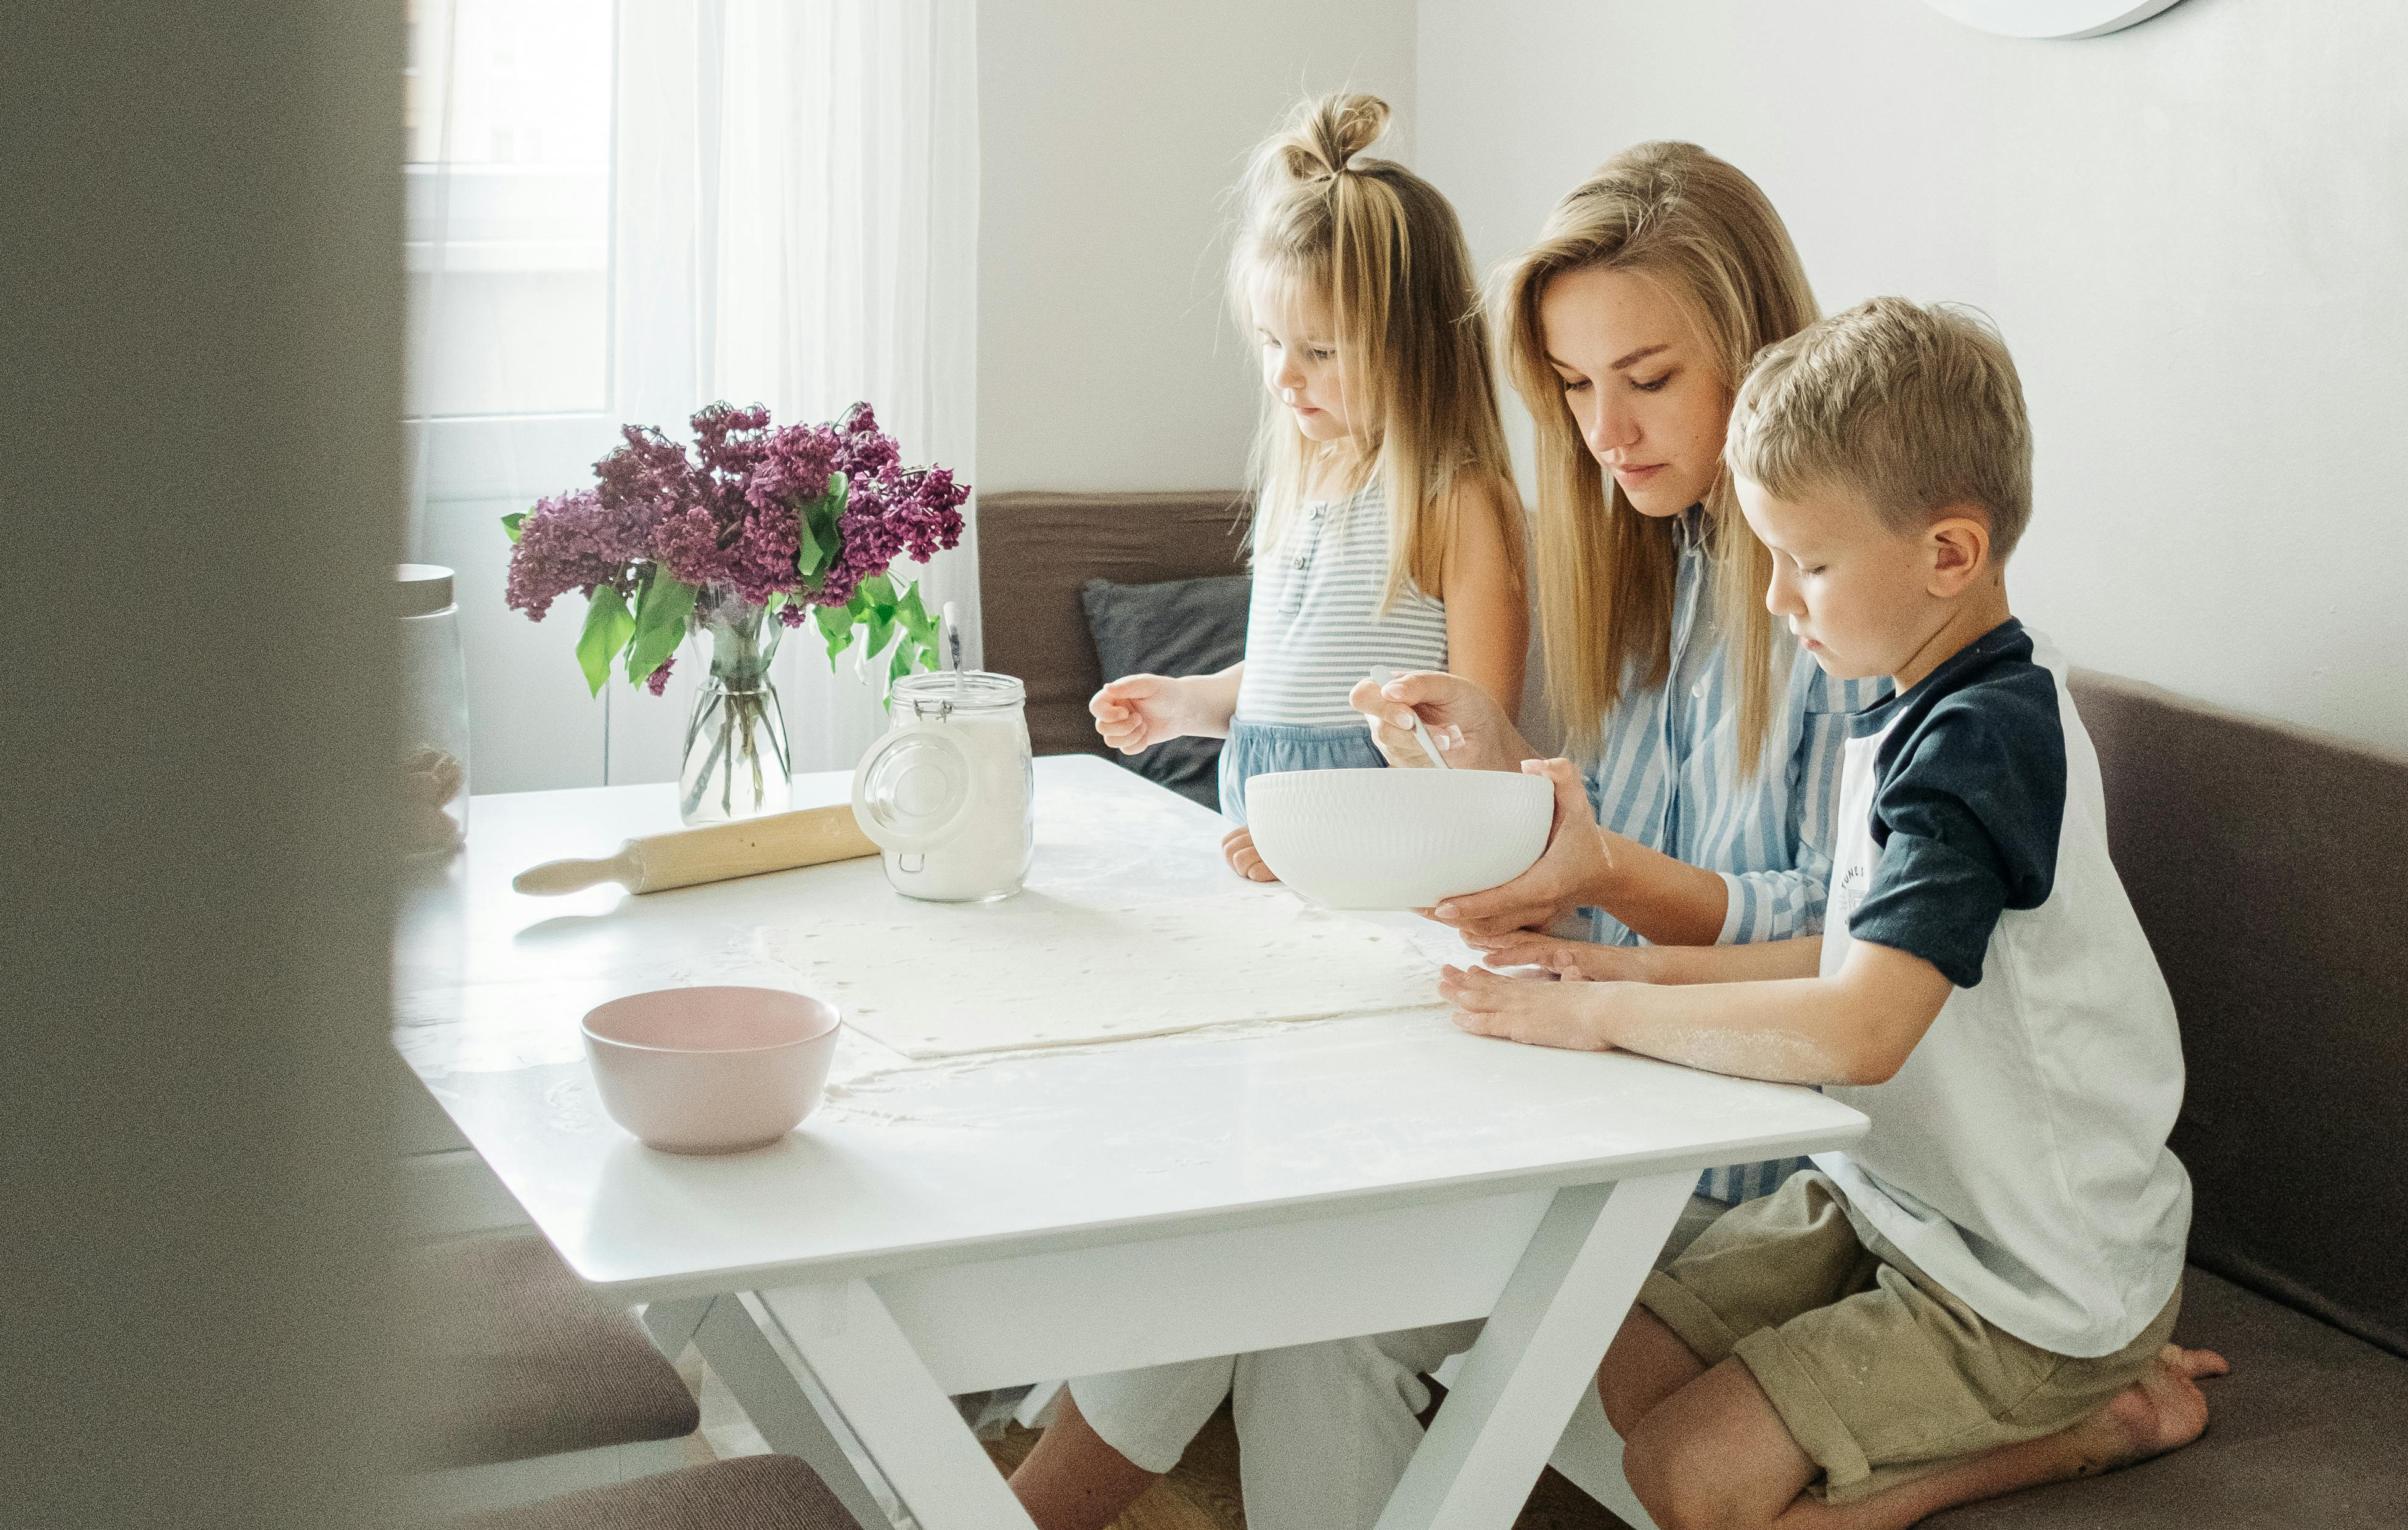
{"x": 2194, "y": 233}
{"x": 1109, "y": 133}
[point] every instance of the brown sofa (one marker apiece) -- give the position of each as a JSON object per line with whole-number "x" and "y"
{"x": 1037, "y": 551}
{"x": 2269, "y": 867}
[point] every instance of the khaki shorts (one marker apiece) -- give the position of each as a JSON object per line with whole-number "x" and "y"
{"x": 1879, "y": 1373}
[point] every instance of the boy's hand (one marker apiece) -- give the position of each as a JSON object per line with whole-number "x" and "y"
{"x": 1139, "y": 710}
{"x": 1463, "y": 720}
{"x": 1576, "y": 959}
{"x": 1238, "y": 848}
{"x": 1564, "y": 878}
{"x": 1539, "y": 1011}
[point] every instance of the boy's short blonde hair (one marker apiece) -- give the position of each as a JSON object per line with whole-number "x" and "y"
{"x": 1916, "y": 408}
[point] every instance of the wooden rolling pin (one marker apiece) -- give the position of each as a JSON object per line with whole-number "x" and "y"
{"x": 657, "y": 862}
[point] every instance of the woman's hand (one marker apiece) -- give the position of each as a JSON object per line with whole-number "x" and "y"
{"x": 1139, "y": 710}
{"x": 1464, "y": 721}
{"x": 1570, "y": 872}
{"x": 1238, "y": 849}
{"x": 1579, "y": 960}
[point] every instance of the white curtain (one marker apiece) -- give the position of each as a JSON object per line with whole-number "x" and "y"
{"x": 793, "y": 221}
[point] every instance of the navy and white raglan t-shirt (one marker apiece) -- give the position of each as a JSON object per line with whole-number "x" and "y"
{"x": 2019, "y": 1156}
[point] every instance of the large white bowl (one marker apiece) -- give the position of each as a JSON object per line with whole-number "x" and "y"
{"x": 711, "y": 1070}
{"x": 1391, "y": 839}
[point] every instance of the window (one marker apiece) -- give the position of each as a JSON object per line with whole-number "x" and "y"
{"x": 506, "y": 131}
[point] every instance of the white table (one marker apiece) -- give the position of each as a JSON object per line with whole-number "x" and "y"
{"x": 951, "y": 1226}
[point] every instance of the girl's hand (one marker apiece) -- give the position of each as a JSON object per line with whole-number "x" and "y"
{"x": 1238, "y": 848}
{"x": 1139, "y": 710}
{"x": 1567, "y": 875}
{"x": 1577, "y": 961}
{"x": 1464, "y": 721}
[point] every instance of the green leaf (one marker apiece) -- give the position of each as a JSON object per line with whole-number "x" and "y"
{"x": 607, "y": 628}
{"x": 836, "y": 626}
{"x": 810, "y": 558}
{"x": 511, "y": 524}
{"x": 660, "y": 612}
{"x": 822, "y": 533}
{"x": 901, "y": 664}
{"x": 875, "y": 609}
{"x": 916, "y": 620}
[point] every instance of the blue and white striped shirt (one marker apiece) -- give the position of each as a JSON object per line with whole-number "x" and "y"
{"x": 1666, "y": 774}
{"x": 1314, "y": 627}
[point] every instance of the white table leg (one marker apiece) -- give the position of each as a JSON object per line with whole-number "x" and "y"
{"x": 1520, "y": 1383}
{"x": 672, "y": 1324}
{"x": 774, "y": 1399}
{"x": 895, "y": 1408}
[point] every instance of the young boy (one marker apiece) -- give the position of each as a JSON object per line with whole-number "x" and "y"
{"x": 1976, "y": 1297}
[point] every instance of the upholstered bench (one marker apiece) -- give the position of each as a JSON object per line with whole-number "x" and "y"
{"x": 750, "y": 1493}
{"x": 2269, "y": 867}
{"x": 527, "y": 1384}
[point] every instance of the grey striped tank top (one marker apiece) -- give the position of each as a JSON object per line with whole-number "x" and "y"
{"x": 1313, "y": 626}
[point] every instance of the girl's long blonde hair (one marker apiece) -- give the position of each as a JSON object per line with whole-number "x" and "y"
{"x": 1692, "y": 223}
{"x": 1384, "y": 248}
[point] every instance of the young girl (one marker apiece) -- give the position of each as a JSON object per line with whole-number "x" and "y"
{"x": 1386, "y": 531}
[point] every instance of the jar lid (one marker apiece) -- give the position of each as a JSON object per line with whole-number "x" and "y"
{"x": 421, "y": 590}
{"x": 967, "y": 690}
{"x": 915, "y": 788}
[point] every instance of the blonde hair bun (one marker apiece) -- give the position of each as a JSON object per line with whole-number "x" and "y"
{"x": 1325, "y": 134}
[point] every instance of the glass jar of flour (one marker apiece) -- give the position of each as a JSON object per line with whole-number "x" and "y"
{"x": 949, "y": 795}
{"x": 433, "y": 714}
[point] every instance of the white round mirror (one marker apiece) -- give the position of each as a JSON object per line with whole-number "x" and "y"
{"x": 2051, "y": 17}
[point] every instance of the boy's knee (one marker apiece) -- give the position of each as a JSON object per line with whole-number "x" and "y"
{"x": 1622, "y": 1402}
{"x": 1646, "y": 1364}
{"x": 1679, "y": 1485}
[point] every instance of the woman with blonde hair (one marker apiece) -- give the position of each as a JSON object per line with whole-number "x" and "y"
{"x": 1708, "y": 742}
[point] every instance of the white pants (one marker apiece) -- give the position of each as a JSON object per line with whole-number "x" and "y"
{"x": 1324, "y": 1430}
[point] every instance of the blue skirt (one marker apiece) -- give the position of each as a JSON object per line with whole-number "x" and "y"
{"x": 1254, "y": 748}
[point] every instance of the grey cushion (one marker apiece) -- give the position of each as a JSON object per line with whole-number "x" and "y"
{"x": 750, "y": 1493}
{"x": 2306, "y": 1431}
{"x": 1037, "y": 551}
{"x": 2270, "y": 867}
{"x": 519, "y": 1360}
{"x": 1177, "y": 626}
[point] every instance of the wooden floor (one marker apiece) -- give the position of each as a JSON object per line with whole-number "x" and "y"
{"x": 1202, "y": 1492}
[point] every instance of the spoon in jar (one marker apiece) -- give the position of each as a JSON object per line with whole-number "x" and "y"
{"x": 1382, "y": 678}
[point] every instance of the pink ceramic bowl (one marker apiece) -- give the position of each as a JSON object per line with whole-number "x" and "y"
{"x": 712, "y": 1070}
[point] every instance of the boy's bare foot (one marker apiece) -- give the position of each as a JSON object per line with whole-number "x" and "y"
{"x": 2163, "y": 1410}
{"x": 1538, "y": 1010}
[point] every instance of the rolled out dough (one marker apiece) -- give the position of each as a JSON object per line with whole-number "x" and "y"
{"x": 933, "y": 980}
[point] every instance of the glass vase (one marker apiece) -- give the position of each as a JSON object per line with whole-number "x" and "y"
{"x": 736, "y": 763}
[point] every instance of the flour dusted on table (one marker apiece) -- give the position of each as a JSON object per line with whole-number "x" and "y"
{"x": 941, "y": 980}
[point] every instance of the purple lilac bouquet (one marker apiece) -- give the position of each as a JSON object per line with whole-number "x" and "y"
{"x": 786, "y": 517}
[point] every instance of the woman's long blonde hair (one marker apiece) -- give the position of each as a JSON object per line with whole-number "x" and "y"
{"x": 1692, "y": 223}
{"x": 1386, "y": 250}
